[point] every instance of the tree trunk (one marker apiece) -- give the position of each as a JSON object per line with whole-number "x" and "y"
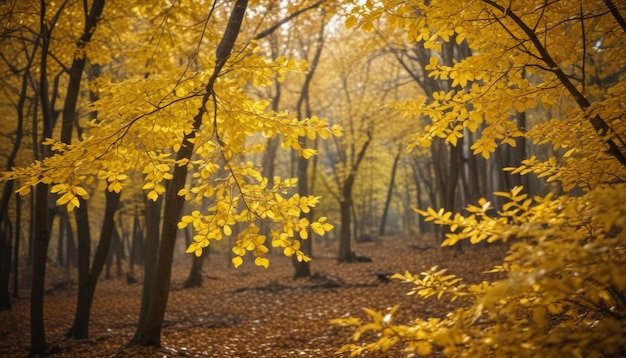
{"x": 150, "y": 333}
{"x": 195, "y": 273}
{"x": 303, "y": 268}
{"x": 38, "y": 343}
{"x": 194, "y": 279}
{"x": 71, "y": 255}
{"x": 16, "y": 251}
{"x": 41, "y": 237}
{"x": 383, "y": 220}
{"x": 345, "y": 204}
{"x": 151, "y": 248}
{"x": 119, "y": 252}
{"x": 87, "y": 286}
{"x": 345, "y": 250}
{"x": 5, "y": 261}
{"x": 6, "y": 250}
{"x": 60, "y": 242}
{"x": 137, "y": 246}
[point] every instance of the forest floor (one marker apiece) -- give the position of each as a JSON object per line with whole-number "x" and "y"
{"x": 251, "y": 311}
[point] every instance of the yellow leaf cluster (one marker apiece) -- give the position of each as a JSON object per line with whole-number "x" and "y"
{"x": 564, "y": 290}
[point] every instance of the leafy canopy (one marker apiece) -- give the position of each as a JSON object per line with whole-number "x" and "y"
{"x": 564, "y": 293}
{"x": 140, "y": 125}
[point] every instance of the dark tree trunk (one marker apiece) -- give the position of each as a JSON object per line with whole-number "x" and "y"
{"x": 5, "y": 259}
{"x": 38, "y": 343}
{"x": 345, "y": 204}
{"x": 194, "y": 279}
{"x": 383, "y": 220}
{"x": 119, "y": 252}
{"x": 71, "y": 255}
{"x": 87, "y": 286}
{"x": 151, "y": 248}
{"x": 195, "y": 273}
{"x": 60, "y": 256}
{"x": 345, "y": 238}
{"x": 16, "y": 251}
{"x": 150, "y": 333}
{"x": 137, "y": 246}
{"x": 6, "y": 250}
{"x": 41, "y": 238}
{"x": 303, "y": 268}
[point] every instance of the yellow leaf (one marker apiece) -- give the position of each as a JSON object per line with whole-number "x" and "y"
{"x": 153, "y": 195}
{"x": 181, "y": 92}
{"x": 65, "y": 198}
{"x": 262, "y": 261}
{"x": 59, "y": 188}
{"x": 308, "y": 153}
{"x": 423, "y": 348}
{"x": 237, "y": 261}
{"x": 350, "y": 21}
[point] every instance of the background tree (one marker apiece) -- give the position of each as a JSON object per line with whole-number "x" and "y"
{"x": 354, "y": 79}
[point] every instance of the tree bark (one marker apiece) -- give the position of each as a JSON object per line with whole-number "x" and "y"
{"x": 85, "y": 282}
{"x": 41, "y": 238}
{"x": 150, "y": 333}
{"x": 87, "y": 287}
{"x": 16, "y": 249}
{"x": 303, "y": 268}
{"x": 6, "y": 250}
{"x": 151, "y": 249}
{"x": 195, "y": 273}
{"x": 345, "y": 204}
{"x": 383, "y": 220}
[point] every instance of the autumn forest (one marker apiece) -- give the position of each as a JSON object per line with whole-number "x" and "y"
{"x": 386, "y": 178}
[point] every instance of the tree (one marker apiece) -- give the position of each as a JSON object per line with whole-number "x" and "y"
{"x": 177, "y": 118}
{"x": 563, "y": 293}
{"x": 364, "y": 83}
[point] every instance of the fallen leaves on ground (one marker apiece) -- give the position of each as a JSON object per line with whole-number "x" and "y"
{"x": 250, "y": 311}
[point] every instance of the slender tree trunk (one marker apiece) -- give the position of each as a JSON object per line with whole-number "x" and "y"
{"x": 8, "y": 187}
{"x": 383, "y": 220}
{"x": 41, "y": 238}
{"x": 6, "y": 250}
{"x": 16, "y": 251}
{"x": 194, "y": 279}
{"x": 40, "y": 250}
{"x": 137, "y": 246}
{"x": 303, "y": 268}
{"x": 71, "y": 255}
{"x": 195, "y": 273}
{"x": 150, "y": 333}
{"x": 87, "y": 287}
{"x": 345, "y": 204}
{"x": 85, "y": 293}
{"x": 60, "y": 242}
{"x": 150, "y": 249}
{"x": 119, "y": 252}
{"x": 345, "y": 238}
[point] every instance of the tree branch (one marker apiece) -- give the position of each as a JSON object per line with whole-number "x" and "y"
{"x": 274, "y": 27}
{"x": 601, "y": 127}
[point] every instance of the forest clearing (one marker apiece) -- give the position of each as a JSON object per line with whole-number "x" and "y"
{"x": 250, "y": 311}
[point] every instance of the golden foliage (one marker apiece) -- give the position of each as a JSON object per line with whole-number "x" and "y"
{"x": 142, "y": 120}
{"x": 564, "y": 293}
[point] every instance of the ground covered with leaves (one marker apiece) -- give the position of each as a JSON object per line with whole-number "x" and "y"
{"x": 251, "y": 311}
